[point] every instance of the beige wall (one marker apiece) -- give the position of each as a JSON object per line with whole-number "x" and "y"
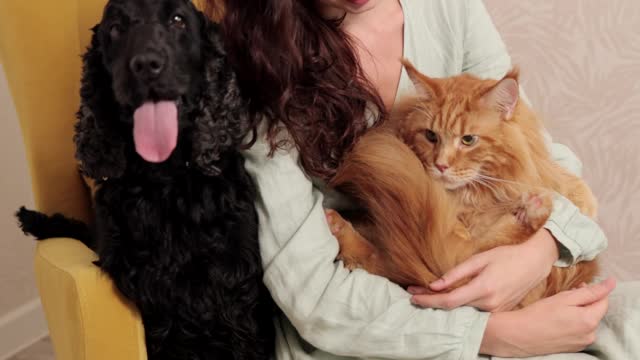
{"x": 16, "y": 275}
{"x": 580, "y": 62}
{"x": 20, "y": 317}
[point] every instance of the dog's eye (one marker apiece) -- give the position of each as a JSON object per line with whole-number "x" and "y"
{"x": 115, "y": 31}
{"x": 178, "y": 22}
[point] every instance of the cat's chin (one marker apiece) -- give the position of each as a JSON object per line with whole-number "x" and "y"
{"x": 451, "y": 184}
{"x": 454, "y": 186}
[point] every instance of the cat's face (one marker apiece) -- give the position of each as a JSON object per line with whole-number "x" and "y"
{"x": 454, "y": 146}
{"x": 455, "y": 127}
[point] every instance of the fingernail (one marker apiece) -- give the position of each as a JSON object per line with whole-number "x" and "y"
{"x": 437, "y": 283}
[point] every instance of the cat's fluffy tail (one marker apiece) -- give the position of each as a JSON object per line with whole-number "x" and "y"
{"x": 406, "y": 208}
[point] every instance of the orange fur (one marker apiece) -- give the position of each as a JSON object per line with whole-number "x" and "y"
{"x": 458, "y": 169}
{"x": 399, "y": 187}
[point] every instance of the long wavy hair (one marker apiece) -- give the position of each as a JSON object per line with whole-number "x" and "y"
{"x": 301, "y": 73}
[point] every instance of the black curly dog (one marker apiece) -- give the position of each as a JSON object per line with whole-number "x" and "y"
{"x": 159, "y": 127}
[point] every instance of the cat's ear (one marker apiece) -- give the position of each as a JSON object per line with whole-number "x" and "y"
{"x": 504, "y": 95}
{"x": 425, "y": 86}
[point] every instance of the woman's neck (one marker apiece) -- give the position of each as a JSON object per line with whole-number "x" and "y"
{"x": 377, "y": 32}
{"x": 379, "y": 42}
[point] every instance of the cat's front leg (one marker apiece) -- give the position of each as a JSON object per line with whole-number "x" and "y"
{"x": 535, "y": 209}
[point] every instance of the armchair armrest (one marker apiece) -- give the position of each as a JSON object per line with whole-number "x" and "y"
{"x": 88, "y": 318}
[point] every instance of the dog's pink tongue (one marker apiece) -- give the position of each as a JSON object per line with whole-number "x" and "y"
{"x": 155, "y": 130}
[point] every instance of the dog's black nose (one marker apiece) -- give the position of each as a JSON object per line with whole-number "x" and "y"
{"x": 147, "y": 65}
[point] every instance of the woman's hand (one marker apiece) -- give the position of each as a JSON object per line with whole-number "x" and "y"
{"x": 502, "y": 277}
{"x": 565, "y": 322}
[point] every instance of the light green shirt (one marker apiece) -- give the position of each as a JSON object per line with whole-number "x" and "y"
{"x": 331, "y": 313}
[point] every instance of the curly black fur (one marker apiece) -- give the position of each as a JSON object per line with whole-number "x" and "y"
{"x": 179, "y": 238}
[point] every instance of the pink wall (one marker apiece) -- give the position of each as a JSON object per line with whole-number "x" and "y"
{"x": 580, "y": 62}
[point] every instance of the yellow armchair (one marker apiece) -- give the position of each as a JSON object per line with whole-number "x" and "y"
{"x": 40, "y": 46}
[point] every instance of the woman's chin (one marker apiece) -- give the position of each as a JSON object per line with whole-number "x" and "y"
{"x": 332, "y": 8}
{"x": 360, "y": 6}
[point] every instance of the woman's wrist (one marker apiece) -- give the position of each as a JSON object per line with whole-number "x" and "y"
{"x": 490, "y": 338}
{"x": 498, "y": 339}
{"x": 543, "y": 242}
{"x": 500, "y": 336}
{"x": 495, "y": 340}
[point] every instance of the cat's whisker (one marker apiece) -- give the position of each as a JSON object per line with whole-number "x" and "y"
{"x": 499, "y": 192}
{"x": 483, "y": 181}
{"x": 491, "y": 178}
{"x": 479, "y": 181}
{"x": 488, "y": 184}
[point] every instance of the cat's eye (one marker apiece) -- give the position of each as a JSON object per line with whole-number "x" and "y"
{"x": 431, "y": 136}
{"x": 177, "y": 21}
{"x": 469, "y": 140}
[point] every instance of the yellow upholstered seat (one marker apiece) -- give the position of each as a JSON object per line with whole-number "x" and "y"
{"x": 87, "y": 317}
{"x": 40, "y": 46}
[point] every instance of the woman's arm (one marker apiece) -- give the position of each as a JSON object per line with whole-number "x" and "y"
{"x": 486, "y": 55}
{"x": 566, "y": 322}
{"x": 341, "y": 312}
{"x": 581, "y": 238}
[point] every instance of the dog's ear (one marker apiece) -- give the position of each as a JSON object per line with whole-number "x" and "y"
{"x": 100, "y": 148}
{"x": 224, "y": 120}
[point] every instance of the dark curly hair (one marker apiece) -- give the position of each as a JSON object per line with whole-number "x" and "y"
{"x": 300, "y": 70}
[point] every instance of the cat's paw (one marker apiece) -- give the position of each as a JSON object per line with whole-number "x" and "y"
{"x": 348, "y": 264}
{"x": 335, "y": 221}
{"x": 534, "y": 209}
{"x": 344, "y": 232}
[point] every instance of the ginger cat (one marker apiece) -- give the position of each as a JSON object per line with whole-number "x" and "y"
{"x": 457, "y": 169}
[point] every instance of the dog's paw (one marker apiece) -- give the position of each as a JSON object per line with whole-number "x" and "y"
{"x": 534, "y": 209}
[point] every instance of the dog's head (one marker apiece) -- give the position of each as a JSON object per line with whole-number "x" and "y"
{"x": 155, "y": 75}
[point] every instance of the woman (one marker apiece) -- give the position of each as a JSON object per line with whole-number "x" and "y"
{"x": 321, "y": 72}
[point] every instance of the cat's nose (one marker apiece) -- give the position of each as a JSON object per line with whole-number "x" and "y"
{"x": 442, "y": 167}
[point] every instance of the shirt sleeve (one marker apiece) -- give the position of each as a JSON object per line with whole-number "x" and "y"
{"x": 485, "y": 55}
{"x": 341, "y": 312}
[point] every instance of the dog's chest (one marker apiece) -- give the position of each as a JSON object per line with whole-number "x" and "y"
{"x": 188, "y": 212}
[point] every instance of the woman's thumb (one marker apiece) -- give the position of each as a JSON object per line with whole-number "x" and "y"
{"x": 592, "y": 293}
